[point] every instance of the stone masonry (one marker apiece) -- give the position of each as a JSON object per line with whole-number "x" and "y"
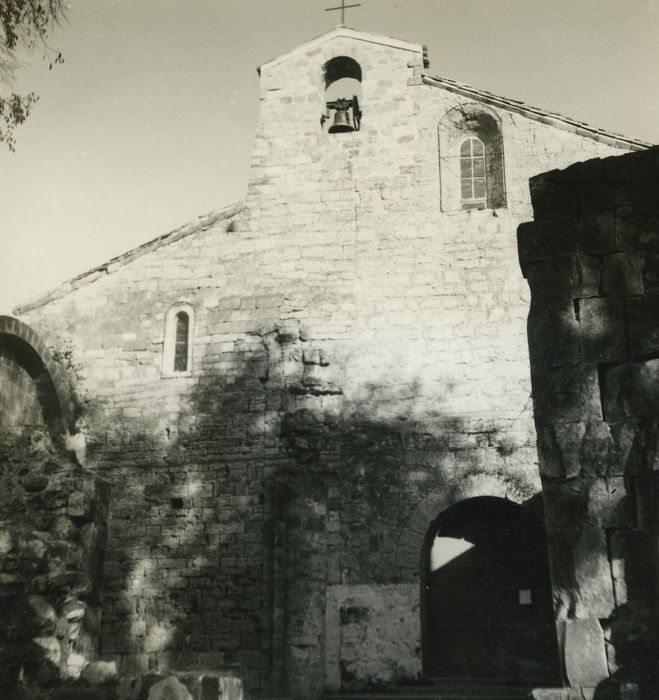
{"x": 359, "y": 363}
{"x": 590, "y": 258}
{"x": 52, "y": 525}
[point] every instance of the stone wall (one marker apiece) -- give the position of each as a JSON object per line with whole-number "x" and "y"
{"x": 590, "y": 258}
{"x": 53, "y": 518}
{"x": 359, "y": 355}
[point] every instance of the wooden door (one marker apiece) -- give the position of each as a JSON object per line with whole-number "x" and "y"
{"x": 487, "y": 604}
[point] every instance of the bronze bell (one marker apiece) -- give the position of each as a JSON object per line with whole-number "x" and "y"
{"x": 341, "y": 122}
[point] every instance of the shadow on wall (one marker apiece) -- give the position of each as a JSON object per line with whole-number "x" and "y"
{"x": 53, "y": 525}
{"x": 227, "y": 527}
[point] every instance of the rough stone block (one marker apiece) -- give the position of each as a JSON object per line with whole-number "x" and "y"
{"x": 569, "y": 437}
{"x": 651, "y": 273}
{"x": 597, "y": 234}
{"x": 549, "y": 195}
{"x": 637, "y": 229}
{"x": 628, "y": 438}
{"x": 592, "y": 569}
{"x": 643, "y": 324}
{"x": 631, "y": 390}
{"x": 547, "y": 240}
{"x": 169, "y": 689}
{"x": 550, "y": 460}
{"x": 623, "y": 274}
{"x": 555, "y": 319}
{"x": 566, "y": 395}
{"x": 572, "y": 277}
{"x": 603, "y": 330}
{"x": 585, "y": 655}
{"x": 598, "y": 455}
{"x": 99, "y": 672}
{"x": 602, "y": 196}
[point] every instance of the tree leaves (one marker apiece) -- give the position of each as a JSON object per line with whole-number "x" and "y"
{"x": 23, "y": 24}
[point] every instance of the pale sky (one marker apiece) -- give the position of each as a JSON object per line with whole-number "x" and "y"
{"x": 149, "y": 122}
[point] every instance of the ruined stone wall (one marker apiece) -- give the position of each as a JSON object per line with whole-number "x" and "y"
{"x": 359, "y": 357}
{"x": 53, "y": 518}
{"x": 590, "y": 258}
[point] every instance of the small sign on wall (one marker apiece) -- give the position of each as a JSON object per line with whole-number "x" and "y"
{"x": 524, "y": 596}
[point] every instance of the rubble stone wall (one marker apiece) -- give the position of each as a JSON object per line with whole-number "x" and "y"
{"x": 53, "y": 519}
{"x": 357, "y": 349}
{"x": 591, "y": 258}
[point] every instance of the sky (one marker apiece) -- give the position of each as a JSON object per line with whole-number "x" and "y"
{"x": 150, "y": 120}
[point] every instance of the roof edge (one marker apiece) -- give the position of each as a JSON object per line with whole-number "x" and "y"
{"x": 201, "y": 223}
{"x": 551, "y": 118}
{"x": 342, "y": 31}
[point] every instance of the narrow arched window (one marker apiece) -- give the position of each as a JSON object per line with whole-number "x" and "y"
{"x": 473, "y": 182}
{"x": 181, "y": 343}
{"x": 178, "y": 340}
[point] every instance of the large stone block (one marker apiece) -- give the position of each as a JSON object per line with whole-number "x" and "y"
{"x": 628, "y": 438}
{"x": 547, "y": 240}
{"x": 623, "y": 274}
{"x": 643, "y": 324}
{"x": 597, "y": 234}
{"x": 637, "y": 229}
{"x": 585, "y": 655}
{"x": 631, "y": 390}
{"x": 575, "y": 276}
{"x": 603, "y": 330}
{"x": 555, "y": 319}
{"x": 566, "y": 395}
{"x": 549, "y": 195}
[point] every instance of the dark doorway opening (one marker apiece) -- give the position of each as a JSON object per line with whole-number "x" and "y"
{"x": 486, "y": 610}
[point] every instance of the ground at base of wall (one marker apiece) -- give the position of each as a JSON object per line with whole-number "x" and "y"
{"x": 190, "y": 685}
{"x": 612, "y": 691}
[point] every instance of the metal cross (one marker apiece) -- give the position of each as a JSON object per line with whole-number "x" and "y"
{"x": 343, "y": 9}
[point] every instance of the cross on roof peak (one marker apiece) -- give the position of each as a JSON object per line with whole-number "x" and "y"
{"x": 343, "y": 9}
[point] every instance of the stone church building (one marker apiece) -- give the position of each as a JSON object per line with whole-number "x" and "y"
{"x": 313, "y": 408}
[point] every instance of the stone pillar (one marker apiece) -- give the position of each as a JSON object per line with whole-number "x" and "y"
{"x": 591, "y": 258}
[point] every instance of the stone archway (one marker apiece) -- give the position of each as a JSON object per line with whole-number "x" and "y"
{"x": 35, "y": 387}
{"x": 486, "y": 609}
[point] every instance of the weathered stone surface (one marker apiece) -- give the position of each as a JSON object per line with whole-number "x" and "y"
{"x": 585, "y": 656}
{"x": 548, "y": 240}
{"x": 419, "y": 305}
{"x": 631, "y": 390}
{"x": 575, "y": 276}
{"x": 44, "y": 612}
{"x": 637, "y": 229}
{"x": 568, "y": 394}
{"x": 623, "y": 274}
{"x": 643, "y": 324}
{"x": 169, "y": 689}
{"x": 597, "y": 234}
{"x": 603, "y": 330}
{"x": 99, "y": 672}
{"x": 555, "y": 318}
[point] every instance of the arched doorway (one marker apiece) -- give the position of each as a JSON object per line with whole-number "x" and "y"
{"x": 486, "y": 595}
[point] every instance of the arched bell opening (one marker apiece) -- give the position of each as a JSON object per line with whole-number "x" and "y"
{"x": 343, "y": 94}
{"x": 486, "y": 608}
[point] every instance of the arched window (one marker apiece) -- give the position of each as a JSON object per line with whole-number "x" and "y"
{"x": 343, "y": 92}
{"x": 472, "y": 172}
{"x": 471, "y": 162}
{"x": 178, "y": 340}
{"x": 181, "y": 342}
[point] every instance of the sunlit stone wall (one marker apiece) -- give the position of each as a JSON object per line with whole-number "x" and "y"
{"x": 359, "y": 354}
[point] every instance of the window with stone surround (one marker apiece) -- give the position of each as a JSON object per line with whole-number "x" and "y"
{"x": 472, "y": 173}
{"x": 471, "y": 165}
{"x": 178, "y": 340}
